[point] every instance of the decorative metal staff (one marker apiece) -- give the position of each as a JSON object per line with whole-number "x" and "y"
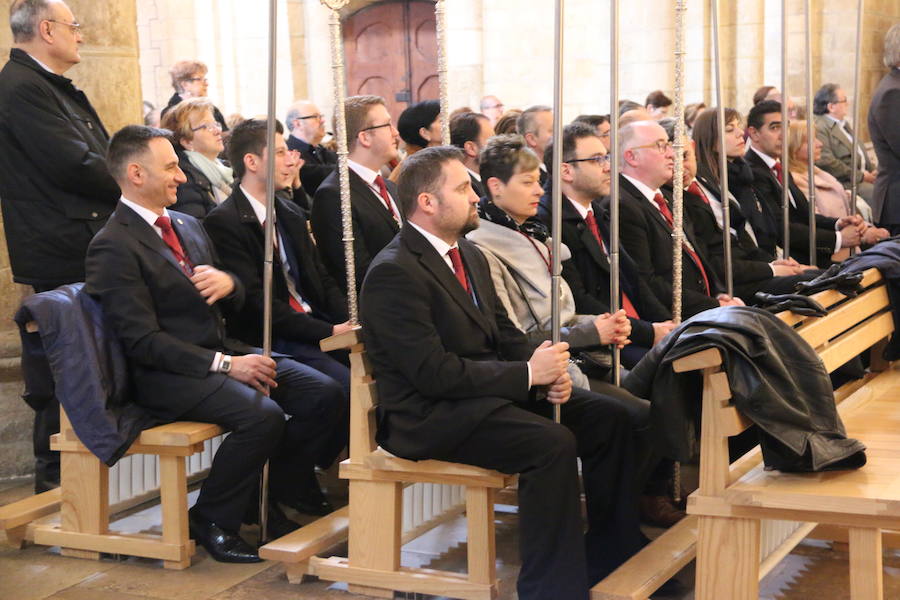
{"x": 810, "y": 137}
{"x": 340, "y": 134}
{"x": 614, "y": 281}
{"x": 440, "y": 12}
{"x": 854, "y": 137}
{"x": 724, "y": 194}
{"x": 268, "y": 246}
{"x": 785, "y": 159}
{"x": 678, "y": 176}
{"x": 556, "y": 197}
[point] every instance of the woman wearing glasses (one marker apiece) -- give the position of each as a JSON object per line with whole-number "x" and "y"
{"x": 197, "y": 137}
{"x": 189, "y": 80}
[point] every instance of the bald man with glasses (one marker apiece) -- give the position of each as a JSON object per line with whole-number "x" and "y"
{"x": 307, "y": 129}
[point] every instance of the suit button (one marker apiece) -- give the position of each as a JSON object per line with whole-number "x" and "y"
{"x": 94, "y": 214}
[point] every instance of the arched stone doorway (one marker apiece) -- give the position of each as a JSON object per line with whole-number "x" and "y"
{"x": 391, "y": 51}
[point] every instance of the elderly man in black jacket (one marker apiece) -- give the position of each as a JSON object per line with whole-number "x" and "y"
{"x": 55, "y": 188}
{"x": 886, "y": 137}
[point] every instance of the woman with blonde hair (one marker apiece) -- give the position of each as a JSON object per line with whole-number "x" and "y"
{"x": 197, "y": 137}
{"x": 832, "y": 200}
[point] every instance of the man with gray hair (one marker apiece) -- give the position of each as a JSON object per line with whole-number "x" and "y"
{"x": 306, "y": 124}
{"x": 885, "y": 131}
{"x": 830, "y": 107}
{"x": 55, "y": 188}
{"x": 535, "y": 124}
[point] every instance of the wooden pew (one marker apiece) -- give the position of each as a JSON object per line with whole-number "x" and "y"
{"x": 373, "y": 518}
{"x": 735, "y": 503}
{"x": 82, "y": 500}
{"x": 642, "y": 575}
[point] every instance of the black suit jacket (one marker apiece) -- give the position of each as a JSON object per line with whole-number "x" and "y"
{"x": 588, "y": 271}
{"x": 373, "y": 225}
{"x": 319, "y": 163}
{"x": 442, "y": 363}
{"x": 54, "y": 185}
{"x": 768, "y": 192}
{"x": 477, "y": 187}
{"x": 168, "y": 331}
{"x": 239, "y": 240}
{"x": 884, "y": 128}
{"x": 195, "y": 196}
{"x": 647, "y": 238}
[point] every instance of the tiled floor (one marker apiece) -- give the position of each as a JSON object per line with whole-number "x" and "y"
{"x": 812, "y": 570}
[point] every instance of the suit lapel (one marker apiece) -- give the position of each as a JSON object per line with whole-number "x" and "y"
{"x": 144, "y": 233}
{"x": 372, "y": 200}
{"x": 584, "y": 233}
{"x": 435, "y": 265}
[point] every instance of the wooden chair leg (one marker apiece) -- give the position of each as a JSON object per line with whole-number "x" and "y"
{"x": 297, "y": 572}
{"x": 480, "y": 546}
{"x": 15, "y": 537}
{"x": 866, "y": 573}
{"x": 84, "y": 498}
{"x": 173, "y": 500}
{"x": 375, "y": 524}
{"x": 727, "y": 559}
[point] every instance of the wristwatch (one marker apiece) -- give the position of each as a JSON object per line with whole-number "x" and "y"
{"x": 225, "y": 365}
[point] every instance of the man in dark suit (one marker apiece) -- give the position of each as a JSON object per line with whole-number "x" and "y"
{"x": 470, "y": 132}
{"x": 372, "y": 143}
{"x": 456, "y": 383}
{"x": 764, "y": 156}
{"x": 585, "y": 231}
{"x": 535, "y": 124}
{"x": 645, "y": 222}
{"x": 154, "y": 273}
{"x": 55, "y": 189}
{"x": 885, "y": 131}
{"x": 307, "y": 126}
{"x": 307, "y": 305}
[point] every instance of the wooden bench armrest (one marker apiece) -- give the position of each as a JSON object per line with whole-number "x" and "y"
{"x": 711, "y": 357}
{"x": 29, "y": 509}
{"x": 179, "y": 433}
{"x": 342, "y": 341}
{"x": 315, "y": 537}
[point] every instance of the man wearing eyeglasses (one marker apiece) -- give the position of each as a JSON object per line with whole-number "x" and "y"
{"x": 307, "y": 128}
{"x": 56, "y": 190}
{"x": 372, "y": 144}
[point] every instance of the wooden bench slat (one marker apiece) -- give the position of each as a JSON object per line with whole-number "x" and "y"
{"x": 853, "y": 342}
{"x": 179, "y": 433}
{"x": 829, "y": 298}
{"x": 310, "y": 539}
{"x": 819, "y": 330}
{"x": 29, "y": 509}
{"x": 342, "y": 341}
{"x": 705, "y": 359}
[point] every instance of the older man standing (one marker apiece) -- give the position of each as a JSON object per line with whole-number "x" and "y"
{"x": 885, "y": 131}
{"x": 307, "y": 126}
{"x": 56, "y": 190}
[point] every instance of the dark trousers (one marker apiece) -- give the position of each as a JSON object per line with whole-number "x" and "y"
{"x": 46, "y": 423}
{"x": 259, "y": 432}
{"x": 558, "y": 560}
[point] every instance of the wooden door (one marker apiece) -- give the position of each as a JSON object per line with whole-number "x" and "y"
{"x": 390, "y": 50}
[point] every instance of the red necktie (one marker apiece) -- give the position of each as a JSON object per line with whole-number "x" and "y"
{"x": 667, "y": 215}
{"x": 458, "y": 268}
{"x": 382, "y": 189}
{"x": 171, "y": 240}
{"x": 630, "y": 310}
{"x": 694, "y": 189}
{"x": 778, "y": 172}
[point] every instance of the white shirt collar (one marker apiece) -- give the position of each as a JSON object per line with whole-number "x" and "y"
{"x": 145, "y": 213}
{"x": 581, "y": 209}
{"x": 258, "y": 207}
{"x": 474, "y": 174}
{"x": 839, "y": 122}
{"x": 770, "y": 162}
{"x": 439, "y": 245}
{"x": 367, "y": 174}
{"x": 644, "y": 189}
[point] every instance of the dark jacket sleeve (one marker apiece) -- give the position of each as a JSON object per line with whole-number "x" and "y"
{"x": 397, "y": 313}
{"x": 885, "y": 114}
{"x": 47, "y": 136}
{"x": 326, "y": 223}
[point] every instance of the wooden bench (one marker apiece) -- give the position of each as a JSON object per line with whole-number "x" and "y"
{"x": 735, "y": 504}
{"x": 868, "y": 314}
{"x": 373, "y": 518}
{"x": 82, "y": 500}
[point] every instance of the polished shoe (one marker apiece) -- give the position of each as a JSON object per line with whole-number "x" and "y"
{"x": 222, "y": 545}
{"x": 659, "y": 511}
{"x": 310, "y": 501}
{"x": 277, "y": 525}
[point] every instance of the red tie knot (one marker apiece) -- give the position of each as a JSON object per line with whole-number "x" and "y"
{"x": 164, "y": 223}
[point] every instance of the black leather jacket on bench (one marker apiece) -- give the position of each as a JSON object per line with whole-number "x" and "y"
{"x": 776, "y": 379}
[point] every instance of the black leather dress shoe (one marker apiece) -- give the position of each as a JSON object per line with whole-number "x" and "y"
{"x": 222, "y": 545}
{"x": 311, "y": 501}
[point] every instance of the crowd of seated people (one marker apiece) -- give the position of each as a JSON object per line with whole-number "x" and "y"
{"x": 452, "y": 260}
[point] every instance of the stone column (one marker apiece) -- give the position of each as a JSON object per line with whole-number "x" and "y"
{"x": 110, "y": 76}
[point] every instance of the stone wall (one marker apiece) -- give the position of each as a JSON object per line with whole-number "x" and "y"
{"x": 110, "y": 75}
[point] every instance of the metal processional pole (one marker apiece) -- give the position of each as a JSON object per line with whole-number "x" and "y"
{"x": 724, "y": 194}
{"x": 440, "y": 12}
{"x": 678, "y": 175}
{"x": 810, "y": 137}
{"x": 614, "y": 281}
{"x": 556, "y": 197}
{"x": 854, "y": 172}
{"x": 269, "y": 245}
{"x": 785, "y": 159}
